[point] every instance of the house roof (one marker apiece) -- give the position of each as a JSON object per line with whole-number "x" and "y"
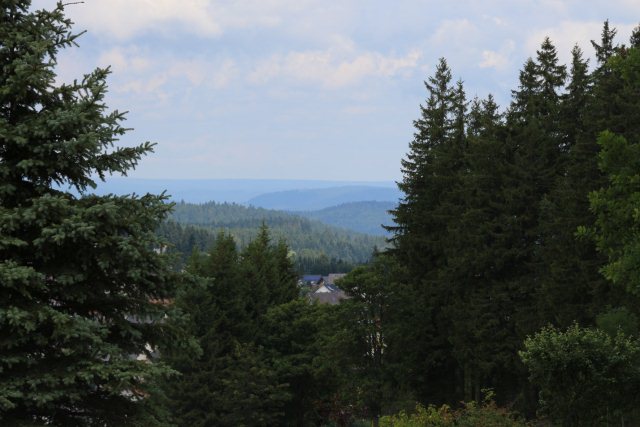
{"x": 327, "y": 294}
{"x": 328, "y": 297}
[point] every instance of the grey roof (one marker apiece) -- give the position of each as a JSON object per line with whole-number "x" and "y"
{"x": 328, "y": 297}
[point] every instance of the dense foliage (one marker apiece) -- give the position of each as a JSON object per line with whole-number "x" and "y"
{"x": 82, "y": 284}
{"x": 586, "y": 377}
{"x": 260, "y": 344}
{"x": 471, "y": 414}
{"x": 488, "y": 229}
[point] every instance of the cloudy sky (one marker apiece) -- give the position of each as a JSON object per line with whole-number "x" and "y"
{"x": 307, "y": 89}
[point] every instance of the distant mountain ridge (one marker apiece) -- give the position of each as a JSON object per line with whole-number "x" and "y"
{"x": 220, "y": 190}
{"x": 321, "y": 198}
{"x": 364, "y": 217}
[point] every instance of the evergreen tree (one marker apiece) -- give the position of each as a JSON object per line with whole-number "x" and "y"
{"x": 576, "y": 98}
{"x": 430, "y": 177}
{"x": 606, "y": 48}
{"x": 525, "y": 99}
{"x": 552, "y": 78}
{"x": 364, "y": 319}
{"x": 572, "y": 288}
{"x": 480, "y": 261}
{"x": 489, "y": 261}
{"x": 229, "y": 381}
{"x": 293, "y": 337}
{"x": 268, "y": 273}
{"x": 83, "y": 283}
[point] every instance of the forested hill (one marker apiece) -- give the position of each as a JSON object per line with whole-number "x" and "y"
{"x": 364, "y": 217}
{"x": 322, "y": 198}
{"x": 315, "y": 244}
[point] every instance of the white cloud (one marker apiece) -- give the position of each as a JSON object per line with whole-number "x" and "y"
{"x": 456, "y": 31}
{"x": 338, "y": 66}
{"x": 492, "y": 59}
{"x": 162, "y": 76}
{"x": 498, "y": 59}
{"x": 125, "y": 19}
{"x": 123, "y": 60}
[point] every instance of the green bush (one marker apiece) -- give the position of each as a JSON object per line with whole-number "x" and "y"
{"x": 470, "y": 415}
{"x": 585, "y": 376}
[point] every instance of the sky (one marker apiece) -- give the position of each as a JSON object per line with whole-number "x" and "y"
{"x": 307, "y": 89}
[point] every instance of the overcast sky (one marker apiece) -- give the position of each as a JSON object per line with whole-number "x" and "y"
{"x": 307, "y": 89}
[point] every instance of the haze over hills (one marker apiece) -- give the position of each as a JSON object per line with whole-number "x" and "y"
{"x": 321, "y": 198}
{"x": 363, "y": 217}
{"x": 356, "y": 206}
{"x": 230, "y": 190}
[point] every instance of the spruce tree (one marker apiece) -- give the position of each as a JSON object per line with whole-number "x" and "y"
{"x": 479, "y": 263}
{"x": 607, "y": 47}
{"x": 571, "y": 285}
{"x": 83, "y": 285}
{"x": 430, "y": 182}
{"x": 229, "y": 381}
{"x": 574, "y": 101}
{"x": 552, "y": 77}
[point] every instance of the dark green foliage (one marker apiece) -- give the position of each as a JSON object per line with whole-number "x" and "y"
{"x": 606, "y": 48}
{"x": 572, "y": 288}
{"x": 616, "y": 207}
{"x": 83, "y": 285}
{"x": 585, "y": 376}
{"x": 486, "y": 232}
{"x": 366, "y": 319}
{"x": 183, "y": 239}
{"x": 257, "y": 340}
{"x": 268, "y": 273}
{"x": 292, "y": 336}
{"x": 471, "y": 414}
{"x": 481, "y": 310}
{"x": 430, "y": 178}
{"x": 618, "y": 320}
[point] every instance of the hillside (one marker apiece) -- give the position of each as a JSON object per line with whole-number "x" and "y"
{"x": 313, "y": 242}
{"x": 322, "y": 198}
{"x": 363, "y": 217}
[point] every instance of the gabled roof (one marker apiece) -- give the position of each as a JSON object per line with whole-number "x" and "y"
{"x": 327, "y": 294}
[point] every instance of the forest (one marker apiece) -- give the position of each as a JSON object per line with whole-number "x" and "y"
{"x": 317, "y": 248}
{"x": 507, "y": 294}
